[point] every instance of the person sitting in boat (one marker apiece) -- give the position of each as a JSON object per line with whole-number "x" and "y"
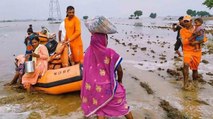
{"x": 43, "y": 35}
{"x": 30, "y": 29}
{"x": 44, "y": 30}
{"x": 19, "y": 63}
{"x": 20, "y": 59}
{"x": 28, "y": 43}
{"x": 40, "y": 57}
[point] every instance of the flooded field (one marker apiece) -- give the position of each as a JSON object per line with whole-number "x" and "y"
{"x": 150, "y": 64}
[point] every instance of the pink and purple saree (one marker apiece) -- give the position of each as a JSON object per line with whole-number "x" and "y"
{"x": 101, "y": 93}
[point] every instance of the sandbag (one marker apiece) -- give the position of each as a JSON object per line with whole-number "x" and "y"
{"x": 56, "y": 61}
{"x": 60, "y": 47}
{"x": 54, "y": 57}
{"x": 100, "y": 24}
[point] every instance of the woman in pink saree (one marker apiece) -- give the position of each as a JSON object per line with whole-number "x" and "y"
{"x": 40, "y": 57}
{"x": 102, "y": 95}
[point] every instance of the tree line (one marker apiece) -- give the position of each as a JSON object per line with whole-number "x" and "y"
{"x": 207, "y": 3}
{"x": 198, "y": 13}
{"x": 139, "y": 13}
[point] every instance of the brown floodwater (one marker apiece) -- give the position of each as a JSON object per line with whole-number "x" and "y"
{"x": 148, "y": 66}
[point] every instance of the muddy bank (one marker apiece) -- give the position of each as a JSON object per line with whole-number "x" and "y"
{"x": 39, "y": 105}
{"x": 172, "y": 113}
{"x": 148, "y": 53}
{"x": 150, "y": 59}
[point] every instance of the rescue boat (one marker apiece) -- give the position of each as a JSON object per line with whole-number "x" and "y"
{"x": 59, "y": 81}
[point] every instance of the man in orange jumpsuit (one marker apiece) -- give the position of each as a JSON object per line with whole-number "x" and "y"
{"x": 73, "y": 35}
{"x": 191, "y": 57}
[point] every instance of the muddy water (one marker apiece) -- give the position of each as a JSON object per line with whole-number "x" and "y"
{"x": 12, "y": 37}
{"x": 138, "y": 63}
{"x": 150, "y": 66}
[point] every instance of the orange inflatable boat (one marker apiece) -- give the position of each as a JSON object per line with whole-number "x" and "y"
{"x": 61, "y": 80}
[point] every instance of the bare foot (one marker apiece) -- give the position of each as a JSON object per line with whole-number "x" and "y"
{"x": 20, "y": 86}
{"x": 9, "y": 84}
{"x": 186, "y": 85}
{"x": 190, "y": 87}
{"x": 195, "y": 83}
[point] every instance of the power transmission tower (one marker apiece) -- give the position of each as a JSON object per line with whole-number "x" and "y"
{"x": 54, "y": 11}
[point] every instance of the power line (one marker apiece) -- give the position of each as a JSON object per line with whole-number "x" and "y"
{"x": 54, "y": 11}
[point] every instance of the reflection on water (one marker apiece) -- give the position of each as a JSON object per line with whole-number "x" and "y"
{"x": 22, "y": 104}
{"x": 191, "y": 106}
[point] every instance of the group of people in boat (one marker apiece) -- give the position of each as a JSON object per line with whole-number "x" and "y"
{"x": 44, "y": 57}
{"x": 102, "y": 92}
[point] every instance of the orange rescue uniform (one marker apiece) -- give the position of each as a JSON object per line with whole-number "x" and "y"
{"x": 190, "y": 56}
{"x": 73, "y": 34}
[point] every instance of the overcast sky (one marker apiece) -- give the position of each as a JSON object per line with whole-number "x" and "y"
{"x": 39, "y": 9}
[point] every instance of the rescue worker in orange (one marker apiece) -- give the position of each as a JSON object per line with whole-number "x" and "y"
{"x": 191, "y": 57}
{"x": 73, "y": 36}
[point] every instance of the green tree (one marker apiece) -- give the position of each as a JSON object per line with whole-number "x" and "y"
{"x": 208, "y": 3}
{"x": 153, "y": 15}
{"x": 85, "y": 17}
{"x": 138, "y": 13}
{"x": 191, "y": 12}
{"x": 203, "y": 13}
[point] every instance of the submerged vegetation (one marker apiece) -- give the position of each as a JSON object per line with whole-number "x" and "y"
{"x": 172, "y": 113}
{"x": 147, "y": 88}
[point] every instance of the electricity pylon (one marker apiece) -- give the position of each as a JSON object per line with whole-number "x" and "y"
{"x": 54, "y": 11}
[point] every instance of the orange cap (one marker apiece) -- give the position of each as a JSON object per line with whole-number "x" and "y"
{"x": 187, "y": 18}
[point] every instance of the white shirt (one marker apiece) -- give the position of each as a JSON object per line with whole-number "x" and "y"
{"x": 63, "y": 30}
